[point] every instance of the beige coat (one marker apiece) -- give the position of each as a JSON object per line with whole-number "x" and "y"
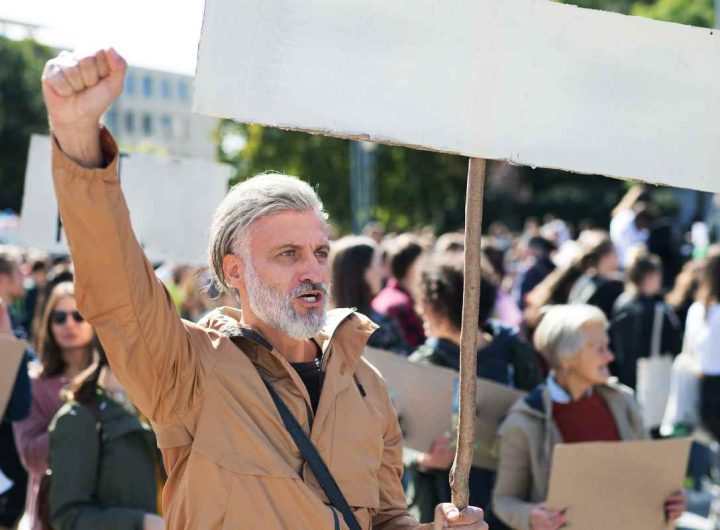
{"x": 527, "y": 439}
{"x": 231, "y": 464}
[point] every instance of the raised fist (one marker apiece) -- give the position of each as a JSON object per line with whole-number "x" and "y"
{"x": 79, "y": 88}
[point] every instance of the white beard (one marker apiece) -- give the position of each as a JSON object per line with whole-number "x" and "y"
{"x": 275, "y": 308}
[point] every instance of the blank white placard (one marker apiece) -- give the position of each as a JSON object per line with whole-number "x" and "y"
{"x": 529, "y": 81}
{"x": 171, "y": 202}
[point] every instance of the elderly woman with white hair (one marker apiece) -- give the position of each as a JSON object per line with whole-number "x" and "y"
{"x": 579, "y": 402}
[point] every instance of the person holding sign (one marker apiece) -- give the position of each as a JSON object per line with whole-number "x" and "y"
{"x": 267, "y": 417}
{"x": 577, "y": 403}
{"x": 502, "y": 357}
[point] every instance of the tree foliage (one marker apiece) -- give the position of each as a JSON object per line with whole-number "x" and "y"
{"x": 22, "y": 112}
{"x": 692, "y": 12}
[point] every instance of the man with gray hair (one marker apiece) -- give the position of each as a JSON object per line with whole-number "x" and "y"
{"x": 267, "y": 417}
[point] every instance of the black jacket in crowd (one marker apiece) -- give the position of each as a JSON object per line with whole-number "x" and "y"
{"x": 631, "y": 334}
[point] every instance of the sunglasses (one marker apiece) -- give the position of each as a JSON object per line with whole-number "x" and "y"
{"x": 59, "y": 317}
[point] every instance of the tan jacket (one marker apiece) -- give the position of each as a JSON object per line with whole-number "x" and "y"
{"x": 527, "y": 439}
{"x": 231, "y": 463}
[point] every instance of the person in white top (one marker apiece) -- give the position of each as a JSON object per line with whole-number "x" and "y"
{"x": 702, "y": 339}
{"x": 630, "y": 222}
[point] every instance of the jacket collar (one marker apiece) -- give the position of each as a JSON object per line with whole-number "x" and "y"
{"x": 116, "y": 420}
{"x": 539, "y": 401}
{"x": 558, "y": 394}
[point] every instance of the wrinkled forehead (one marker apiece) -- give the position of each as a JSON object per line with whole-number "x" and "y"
{"x": 289, "y": 227}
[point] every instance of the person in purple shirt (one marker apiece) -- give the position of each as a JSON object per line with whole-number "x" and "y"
{"x": 396, "y": 300}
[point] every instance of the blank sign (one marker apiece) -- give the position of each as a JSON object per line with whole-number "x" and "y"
{"x": 529, "y": 81}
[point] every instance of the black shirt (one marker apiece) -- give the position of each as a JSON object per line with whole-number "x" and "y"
{"x": 312, "y": 377}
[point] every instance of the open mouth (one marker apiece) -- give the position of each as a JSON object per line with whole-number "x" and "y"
{"x": 311, "y": 297}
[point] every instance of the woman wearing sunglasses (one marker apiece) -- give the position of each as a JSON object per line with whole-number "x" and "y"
{"x": 65, "y": 345}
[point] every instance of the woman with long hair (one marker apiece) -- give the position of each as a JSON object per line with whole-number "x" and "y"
{"x": 591, "y": 278}
{"x": 65, "y": 344}
{"x": 103, "y": 457}
{"x": 357, "y": 275}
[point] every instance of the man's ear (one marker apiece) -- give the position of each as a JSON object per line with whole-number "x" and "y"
{"x": 234, "y": 270}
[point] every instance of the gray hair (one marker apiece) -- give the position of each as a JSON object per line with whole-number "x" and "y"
{"x": 560, "y": 336}
{"x": 259, "y": 196}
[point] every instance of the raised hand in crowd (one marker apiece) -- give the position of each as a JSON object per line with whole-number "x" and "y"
{"x": 78, "y": 89}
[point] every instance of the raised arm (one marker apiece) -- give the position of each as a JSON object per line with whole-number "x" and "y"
{"x": 148, "y": 345}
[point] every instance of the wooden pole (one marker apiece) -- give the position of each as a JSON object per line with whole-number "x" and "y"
{"x": 468, "y": 338}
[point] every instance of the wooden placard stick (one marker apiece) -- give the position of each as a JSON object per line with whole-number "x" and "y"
{"x": 468, "y": 335}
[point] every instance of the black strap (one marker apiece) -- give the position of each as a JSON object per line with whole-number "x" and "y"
{"x": 315, "y": 461}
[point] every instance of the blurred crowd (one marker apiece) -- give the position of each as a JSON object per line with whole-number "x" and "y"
{"x": 562, "y": 308}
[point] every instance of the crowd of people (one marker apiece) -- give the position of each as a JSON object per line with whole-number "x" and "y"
{"x": 559, "y": 315}
{"x": 258, "y": 409}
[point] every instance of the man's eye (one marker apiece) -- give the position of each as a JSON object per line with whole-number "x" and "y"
{"x": 322, "y": 253}
{"x": 290, "y": 252}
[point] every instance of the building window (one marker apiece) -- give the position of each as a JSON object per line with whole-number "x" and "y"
{"x": 130, "y": 122}
{"x": 147, "y": 124}
{"x": 130, "y": 84}
{"x": 166, "y": 124}
{"x": 182, "y": 90}
{"x": 147, "y": 84}
{"x": 165, "y": 89}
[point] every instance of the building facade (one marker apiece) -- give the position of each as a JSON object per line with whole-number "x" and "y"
{"x": 153, "y": 114}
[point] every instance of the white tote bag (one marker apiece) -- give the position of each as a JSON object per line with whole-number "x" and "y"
{"x": 683, "y": 406}
{"x": 654, "y": 376}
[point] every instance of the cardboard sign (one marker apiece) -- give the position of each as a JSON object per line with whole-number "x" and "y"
{"x": 171, "y": 202}
{"x": 530, "y": 81}
{"x": 424, "y": 397}
{"x": 11, "y": 353}
{"x": 617, "y": 484}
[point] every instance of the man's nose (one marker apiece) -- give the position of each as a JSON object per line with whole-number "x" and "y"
{"x": 313, "y": 271}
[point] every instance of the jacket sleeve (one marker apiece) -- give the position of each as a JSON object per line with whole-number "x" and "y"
{"x": 672, "y": 336}
{"x": 18, "y": 407}
{"x": 148, "y": 345}
{"x": 514, "y": 479}
{"x": 526, "y": 365}
{"x": 393, "y": 513}
{"x": 74, "y": 454}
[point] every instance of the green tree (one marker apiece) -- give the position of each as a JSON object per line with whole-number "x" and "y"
{"x": 413, "y": 187}
{"x": 692, "y": 12}
{"x": 22, "y": 112}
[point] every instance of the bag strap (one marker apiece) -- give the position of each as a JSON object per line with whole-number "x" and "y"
{"x": 307, "y": 449}
{"x": 655, "y": 341}
{"x": 315, "y": 461}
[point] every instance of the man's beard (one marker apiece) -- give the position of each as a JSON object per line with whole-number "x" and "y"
{"x": 275, "y": 308}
